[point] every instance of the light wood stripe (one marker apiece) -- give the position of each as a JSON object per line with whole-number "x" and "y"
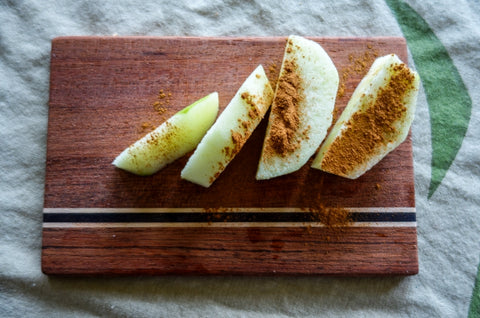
{"x": 256, "y": 210}
{"x": 223, "y": 224}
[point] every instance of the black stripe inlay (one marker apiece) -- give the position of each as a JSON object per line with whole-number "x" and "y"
{"x": 196, "y": 217}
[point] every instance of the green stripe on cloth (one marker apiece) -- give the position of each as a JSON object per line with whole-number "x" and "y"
{"x": 449, "y": 103}
{"x": 474, "y": 311}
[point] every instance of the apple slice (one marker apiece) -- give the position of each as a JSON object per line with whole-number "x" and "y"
{"x": 376, "y": 120}
{"x": 302, "y": 108}
{"x": 231, "y": 130}
{"x": 177, "y": 136}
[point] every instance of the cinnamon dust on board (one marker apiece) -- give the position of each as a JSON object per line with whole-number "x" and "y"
{"x": 147, "y": 126}
{"x": 358, "y": 64}
{"x": 160, "y": 106}
{"x": 217, "y": 214}
{"x": 366, "y": 131}
{"x": 162, "y": 102}
{"x": 335, "y": 219}
{"x": 331, "y": 217}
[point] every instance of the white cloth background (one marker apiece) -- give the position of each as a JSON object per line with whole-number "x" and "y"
{"x": 448, "y": 223}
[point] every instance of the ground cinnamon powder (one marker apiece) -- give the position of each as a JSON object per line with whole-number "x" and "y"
{"x": 160, "y": 106}
{"x": 238, "y": 139}
{"x": 335, "y": 218}
{"x": 358, "y": 64}
{"x": 332, "y": 217}
{"x": 253, "y": 112}
{"x": 282, "y": 138}
{"x": 146, "y": 126}
{"x": 273, "y": 74}
{"x": 368, "y": 130}
{"x": 163, "y": 100}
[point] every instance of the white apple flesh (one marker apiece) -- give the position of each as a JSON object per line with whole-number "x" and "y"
{"x": 231, "y": 130}
{"x": 302, "y": 108}
{"x": 377, "y": 119}
{"x": 177, "y": 136}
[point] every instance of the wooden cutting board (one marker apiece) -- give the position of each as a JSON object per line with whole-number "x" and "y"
{"x": 106, "y": 92}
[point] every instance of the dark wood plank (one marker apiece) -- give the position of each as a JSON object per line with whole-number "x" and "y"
{"x": 237, "y": 251}
{"x": 101, "y": 91}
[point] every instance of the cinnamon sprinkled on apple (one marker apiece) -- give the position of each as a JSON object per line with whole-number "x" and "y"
{"x": 286, "y": 121}
{"x": 253, "y": 112}
{"x": 368, "y": 129}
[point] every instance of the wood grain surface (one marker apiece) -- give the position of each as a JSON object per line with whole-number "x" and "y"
{"x": 102, "y": 92}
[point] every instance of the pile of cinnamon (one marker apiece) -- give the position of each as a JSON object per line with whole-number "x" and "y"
{"x": 282, "y": 139}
